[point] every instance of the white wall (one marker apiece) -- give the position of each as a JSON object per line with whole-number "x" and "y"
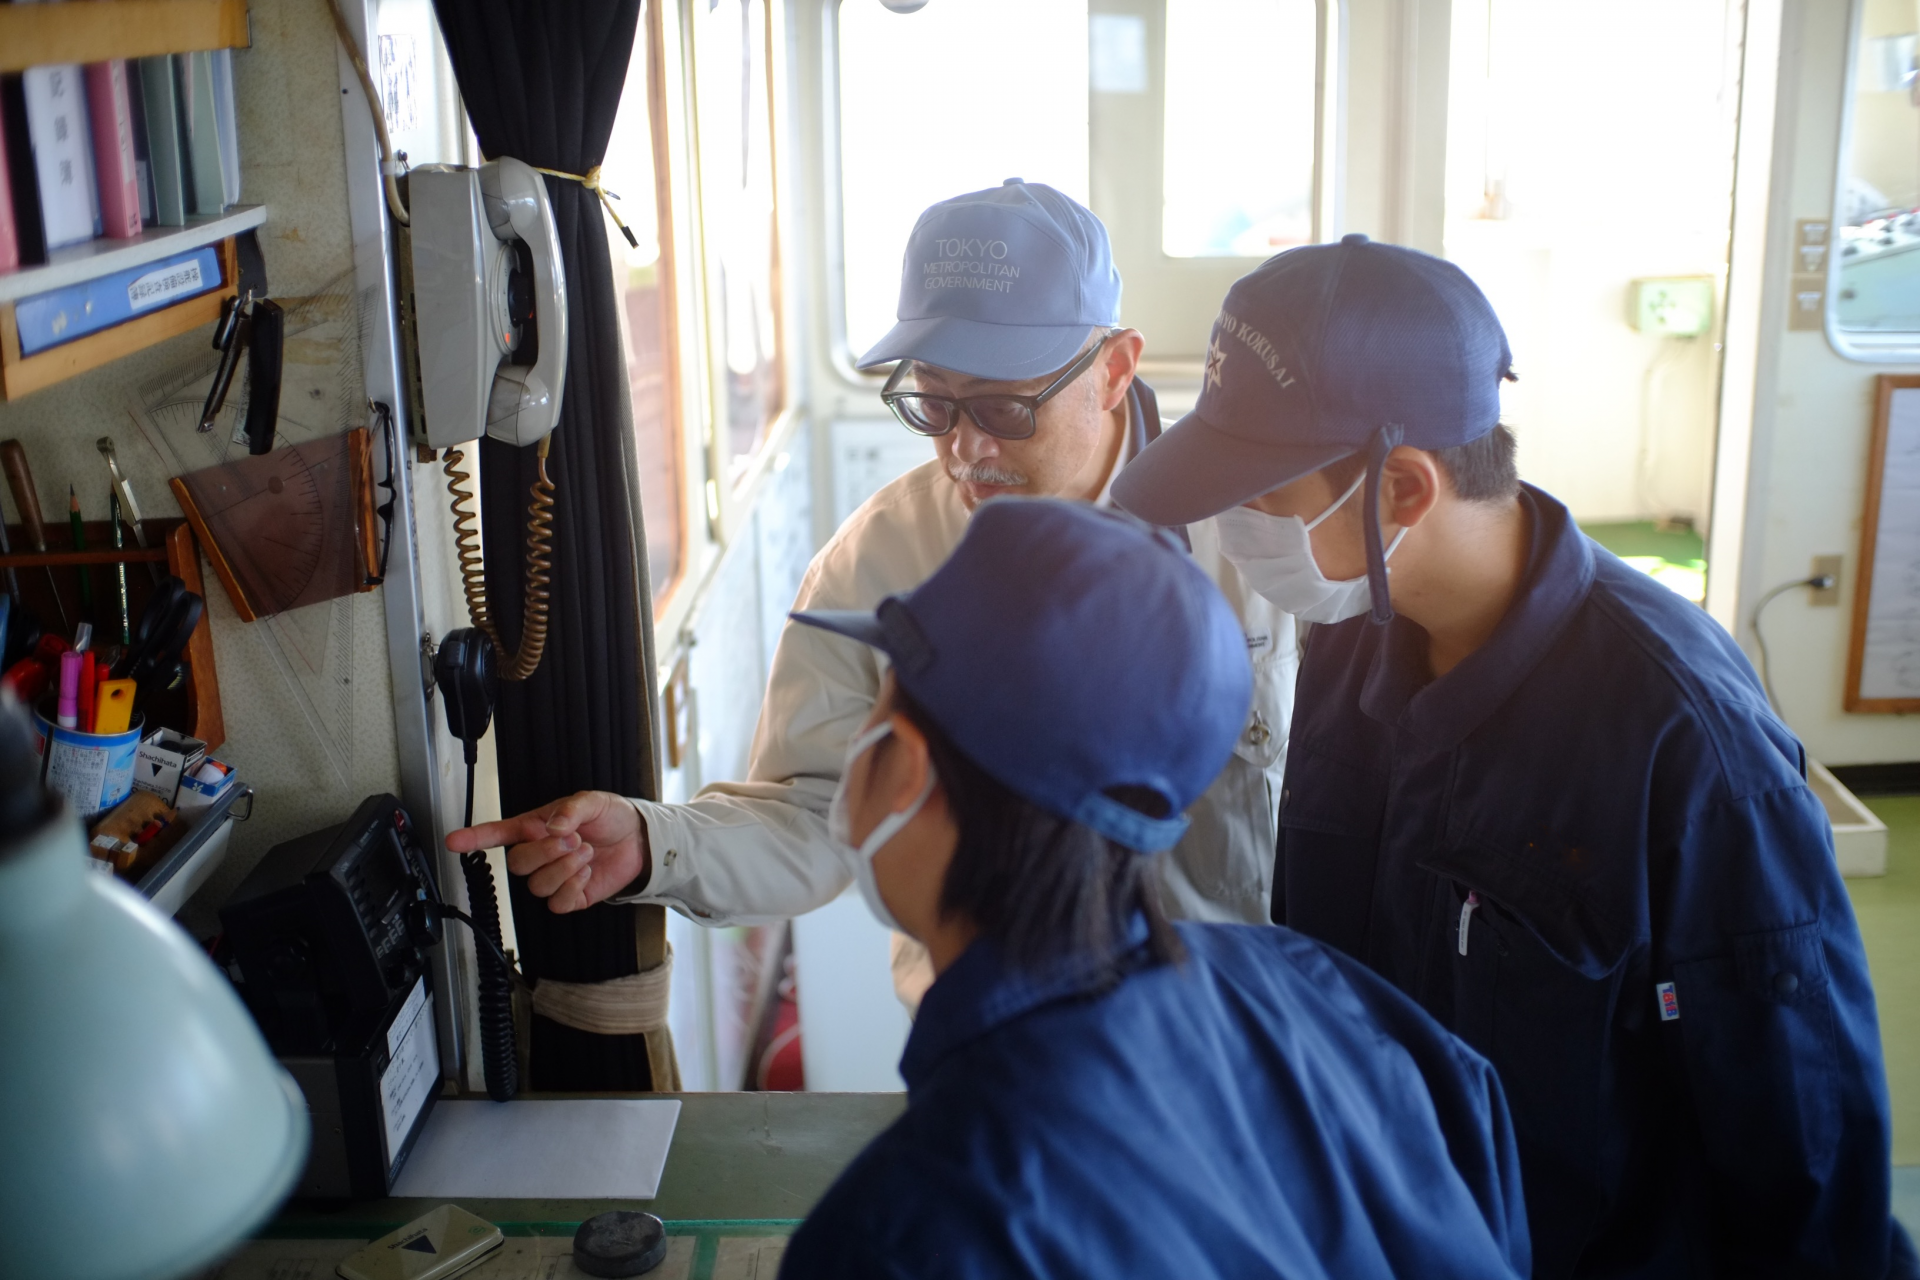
{"x": 292, "y": 159}
{"x": 1812, "y": 421}
{"x": 1609, "y": 132}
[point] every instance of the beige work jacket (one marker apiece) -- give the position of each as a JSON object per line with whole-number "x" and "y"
{"x": 755, "y": 851}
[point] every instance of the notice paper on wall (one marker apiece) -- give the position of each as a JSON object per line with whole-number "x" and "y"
{"x": 585, "y": 1148}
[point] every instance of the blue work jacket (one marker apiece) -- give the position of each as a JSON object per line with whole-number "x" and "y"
{"x": 1265, "y": 1107}
{"x": 1591, "y": 852}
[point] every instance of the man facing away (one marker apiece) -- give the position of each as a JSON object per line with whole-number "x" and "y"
{"x": 1012, "y": 360}
{"x": 1539, "y": 792}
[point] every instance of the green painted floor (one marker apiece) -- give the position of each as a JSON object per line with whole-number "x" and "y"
{"x": 1675, "y": 557}
{"x": 1889, "y": 911}
{"x": 1678, "y": 545}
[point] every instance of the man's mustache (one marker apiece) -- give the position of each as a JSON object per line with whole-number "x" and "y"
{"x": 983, "y": 473}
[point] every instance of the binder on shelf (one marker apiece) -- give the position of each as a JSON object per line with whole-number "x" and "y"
{"x": 200, "y": 126}
{"x": 47, "y": 320}
{"x": 30, "y": 238}
{"x": 113, "y": 162}
{"x": 143, "y": 167}
{"x": 228, "y": 122}
{"x": 162, "y": 100}
{"x": 59, "y": 135}
{"x": 9, "y": 242}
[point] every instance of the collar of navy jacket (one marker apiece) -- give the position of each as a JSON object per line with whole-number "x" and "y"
{"x": 1399, "y": 690}
{"x": 979, "y": 992}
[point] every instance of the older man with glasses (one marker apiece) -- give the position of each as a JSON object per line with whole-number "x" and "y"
{"x": 1010, "y": 356}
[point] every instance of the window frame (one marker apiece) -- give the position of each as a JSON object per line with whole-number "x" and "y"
{"x": 715, "y": 512}
{"x": 729, "y": 506}
{"x": 1325, "y": 201}
{"x": 1864, "y": 346}
{"x": 673, "y": 399}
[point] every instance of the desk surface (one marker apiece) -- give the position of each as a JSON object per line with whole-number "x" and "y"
{"x": 735, "y": 1156}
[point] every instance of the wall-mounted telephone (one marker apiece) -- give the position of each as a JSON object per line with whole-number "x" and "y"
{"x": 491, "y": 297}
{"x": 486, "y": 313}
{"x": 489, "y": 326}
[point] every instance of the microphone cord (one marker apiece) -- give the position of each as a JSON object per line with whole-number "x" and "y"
{"x": 499, "y": 1055}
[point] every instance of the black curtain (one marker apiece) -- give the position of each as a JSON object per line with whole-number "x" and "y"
{"x": 542, "y": 80}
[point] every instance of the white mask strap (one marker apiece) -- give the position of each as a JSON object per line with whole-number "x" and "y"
{"x": 1339, "y": 502}
{"x": 890, "y": 822}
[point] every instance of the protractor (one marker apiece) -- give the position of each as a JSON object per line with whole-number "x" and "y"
{"x": 279, "y": 524}
{"x": 274, "y": 520}
{"x": 177, "y": 417}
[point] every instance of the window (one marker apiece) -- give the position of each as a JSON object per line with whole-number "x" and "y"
{"x": 1232, "y": 188}
{"x": 734, "y": 124}
{"x": 1874, "y": 281}
{"x": 950, "y": 99}
{"x": 643, "y": 285}
{"x": 415, "y": 80}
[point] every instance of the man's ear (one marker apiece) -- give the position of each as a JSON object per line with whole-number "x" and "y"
{"x": 904, "y": 771}
{"x": 1120, "y": 364}
{"x": 1410, "y": 486}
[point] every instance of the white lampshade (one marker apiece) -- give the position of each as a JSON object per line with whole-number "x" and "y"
{"x": 144, "y": 1126}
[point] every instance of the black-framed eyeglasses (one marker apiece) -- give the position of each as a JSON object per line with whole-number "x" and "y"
{"x": 383, "y": 423}
{"x": 1004, "y": 416}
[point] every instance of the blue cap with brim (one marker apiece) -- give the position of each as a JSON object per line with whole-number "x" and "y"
{"x": 1019, "y": 643}
{"x": 1005, "y": 283}
{"x": 1318, "y": 354}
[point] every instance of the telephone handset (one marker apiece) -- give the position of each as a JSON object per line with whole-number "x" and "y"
{"x": 491, "y": 299}
{"x": 490, "y": 329}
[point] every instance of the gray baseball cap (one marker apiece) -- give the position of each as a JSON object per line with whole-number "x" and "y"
{"x": 1004, "y": 283}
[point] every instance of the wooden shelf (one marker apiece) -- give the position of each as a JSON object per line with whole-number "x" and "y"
{"x": 23, "y": 374}
{"x": 34, "y": 35}
{"x": 103, "y": 257}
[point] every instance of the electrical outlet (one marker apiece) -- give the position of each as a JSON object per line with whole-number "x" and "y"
{"x": 1829, "y": 566}
{"x": 1673, "y": 307}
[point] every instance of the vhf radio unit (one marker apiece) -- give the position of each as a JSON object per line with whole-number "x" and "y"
{"x": 329, "y": 935}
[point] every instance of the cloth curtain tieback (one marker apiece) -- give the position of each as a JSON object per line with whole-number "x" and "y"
{"x": 630, "y": 1006}
{"x": 591, "y": 181}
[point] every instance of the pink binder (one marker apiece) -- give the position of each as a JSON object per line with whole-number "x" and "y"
{"x": 113, "y": 161}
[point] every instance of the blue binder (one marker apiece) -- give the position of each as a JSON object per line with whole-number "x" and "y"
{"x": 62, "y": 315}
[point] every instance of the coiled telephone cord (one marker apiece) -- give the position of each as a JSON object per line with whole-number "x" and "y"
{"x": 515, "y": 664}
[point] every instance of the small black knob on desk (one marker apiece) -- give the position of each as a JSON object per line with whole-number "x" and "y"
{"x": 619, "y": 1242}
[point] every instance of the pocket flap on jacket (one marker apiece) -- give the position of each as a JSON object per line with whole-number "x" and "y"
{"x": 1323, "y": 794}
{"x": 1784, "y": 966}
{"x": 1578, "y": 931}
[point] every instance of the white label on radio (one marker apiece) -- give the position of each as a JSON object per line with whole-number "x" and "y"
{"x": 170, "y": 282}
{"x": 414, "y": 1071}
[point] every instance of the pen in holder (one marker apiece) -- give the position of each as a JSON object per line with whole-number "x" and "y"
{"x": 93, "y": 771}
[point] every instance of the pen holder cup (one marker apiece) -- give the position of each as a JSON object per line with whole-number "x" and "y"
{"x": 93, "y": 771}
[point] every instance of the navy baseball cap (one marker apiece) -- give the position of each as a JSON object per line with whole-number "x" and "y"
{"x": 1320, "y": 353}
{"x": 1069, "y": 651}
{"x": 1005, "y": 283}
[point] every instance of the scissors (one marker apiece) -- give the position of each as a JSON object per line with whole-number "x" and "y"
{"x": 153, "y": 662}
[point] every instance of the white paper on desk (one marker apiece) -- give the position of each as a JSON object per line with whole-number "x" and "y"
{"x": 576, "y": 1148}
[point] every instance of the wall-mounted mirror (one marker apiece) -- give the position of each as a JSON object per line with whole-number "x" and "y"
{"x": 1873, "y": 293}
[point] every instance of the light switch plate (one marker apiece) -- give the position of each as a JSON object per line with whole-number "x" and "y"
{"x": 1671, "y": 306}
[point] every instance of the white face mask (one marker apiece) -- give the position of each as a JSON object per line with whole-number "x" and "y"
{"x": 840, "y": 825}
{"x": 1275, "y": 555}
